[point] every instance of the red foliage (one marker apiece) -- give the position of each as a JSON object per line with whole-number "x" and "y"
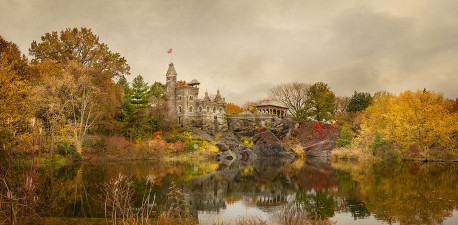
{"x": 291, "y": 140}
{"x": 181, "y": 83}
{"x": 157, "y": 136}
{"x": 177, "y": 147}
{"x": 310, "y": 133}
{"x": 319, "y": 131}
{"x": 262, "y": 129}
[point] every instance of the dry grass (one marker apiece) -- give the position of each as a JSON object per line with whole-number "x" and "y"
{"x": 353, "y": 154}
{"x": 118, "y": 194}
{"x": 292, "y": 215}
{"x": 299, "y": 150}
{"x": 172, "y": 217}
{"x": 251, "y": 220}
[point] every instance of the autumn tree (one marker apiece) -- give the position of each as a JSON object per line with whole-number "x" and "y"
{"x": 342, "y": 104}
{"x": 12, "y": 53}
{"x": 359, "y": 102}
{"x": 293, "y": 95}
{"x": 319, "y": 104}
{"x": 75, "y": 99}
{"x": 232, "y": 108}
{"x": 82, "y": 46}
{"x": 345, "y": 117}
{"x": 423, "y": 118}
{"x": 15, "y": 100}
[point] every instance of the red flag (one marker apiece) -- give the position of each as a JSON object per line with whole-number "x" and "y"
{"x": 169, "y": 51}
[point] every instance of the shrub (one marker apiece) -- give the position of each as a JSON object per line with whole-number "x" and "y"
{"x": 192, "y": 142}
{"x": 118, "y": 145}
{"x": 94, "y": 144}
{"x": 299, "y": 150}
{"x": 247, "y": 141}
{"x": 378, "y": 142}
{"x": 66, "y": 149}
{"x": 346, "y": 137}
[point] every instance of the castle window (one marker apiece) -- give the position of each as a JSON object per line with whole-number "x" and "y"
{"x": 179, "y": 97}
{"x": 208, "y": 109}
{"x": 190, "y": 109}
{"x": 191, "y": 98}
{"x": 214, "y": 110}
{"x": 200, "y": 109}
{"x": 179, "y": 109}
{"x": 220, "y": 110}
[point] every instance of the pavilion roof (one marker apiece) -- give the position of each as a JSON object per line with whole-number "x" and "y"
{"x": 272, "y": 103}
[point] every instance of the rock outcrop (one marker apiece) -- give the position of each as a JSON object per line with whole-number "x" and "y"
{"x": 318, "y": 139}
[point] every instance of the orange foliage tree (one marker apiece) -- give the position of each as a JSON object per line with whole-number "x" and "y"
{"x": 232, "y": 108}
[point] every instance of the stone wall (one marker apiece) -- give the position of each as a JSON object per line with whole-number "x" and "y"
{"x": 238, "y": 122}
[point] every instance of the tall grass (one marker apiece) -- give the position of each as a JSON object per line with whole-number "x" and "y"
{"x": 18, "y": 178}
{"x": 353, "y": 153}
{"x": 119, "y": 202}
{"x": 293, "y": 215}
{"x": 119, "y": 205}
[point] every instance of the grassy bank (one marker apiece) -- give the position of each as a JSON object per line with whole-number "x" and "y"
{"x": 388, "y": 153}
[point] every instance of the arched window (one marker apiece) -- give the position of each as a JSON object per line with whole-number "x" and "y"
{"x": 220, "y": 110}
{"x": 179, "y": 97}
{"x": 191, "y": 98}
{"x": 179, "y": 109}
{"x": 208, "y": 108}
{"x": 200, "y": 109}
{"x": 214, "y": 109}
{"x": 190, "y": 108}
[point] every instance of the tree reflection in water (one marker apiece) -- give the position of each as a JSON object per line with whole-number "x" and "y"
{"x": 411, "y": 193}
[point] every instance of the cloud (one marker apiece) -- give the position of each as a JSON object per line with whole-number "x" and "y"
{"x": 246, "y": 47}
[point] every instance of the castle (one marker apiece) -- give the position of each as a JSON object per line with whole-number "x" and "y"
{"x": 183, "y": 101}
{"x": 209, "y": 113}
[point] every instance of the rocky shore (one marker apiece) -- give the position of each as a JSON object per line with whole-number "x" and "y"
{"x": 317, "y": 140}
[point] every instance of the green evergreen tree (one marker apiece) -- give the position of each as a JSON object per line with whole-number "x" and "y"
{"x": 140, "y": 119}
{"x": 127, "y": 107}
{"x": 359, "y": 102}
{"x": 140, "y": 93}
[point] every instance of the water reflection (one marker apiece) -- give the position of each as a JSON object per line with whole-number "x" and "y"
{"x": 411, "y": 193}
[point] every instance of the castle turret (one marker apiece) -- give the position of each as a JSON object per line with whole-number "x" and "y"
{"x": 218, "y": 97}
{"x": 206, "y": 98}
{"x": 170, "y": 87}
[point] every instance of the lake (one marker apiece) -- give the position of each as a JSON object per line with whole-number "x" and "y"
{"x": 344, "y": 192}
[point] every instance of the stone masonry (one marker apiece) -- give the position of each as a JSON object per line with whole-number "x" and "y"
{"x": 208, "y": 113}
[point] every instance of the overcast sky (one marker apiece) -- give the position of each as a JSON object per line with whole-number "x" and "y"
{"x": 245, "y": 47}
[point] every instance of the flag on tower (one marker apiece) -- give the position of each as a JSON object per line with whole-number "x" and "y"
{"x": 169, "y": 51}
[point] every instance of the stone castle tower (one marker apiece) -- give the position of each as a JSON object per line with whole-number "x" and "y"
{"x": 184, "y": 103}
{"x": 171, "y": 85}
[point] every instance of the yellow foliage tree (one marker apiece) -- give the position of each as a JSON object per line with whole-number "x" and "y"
{"x": 15, "y": 104}
{"x": 422, "y": 117}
